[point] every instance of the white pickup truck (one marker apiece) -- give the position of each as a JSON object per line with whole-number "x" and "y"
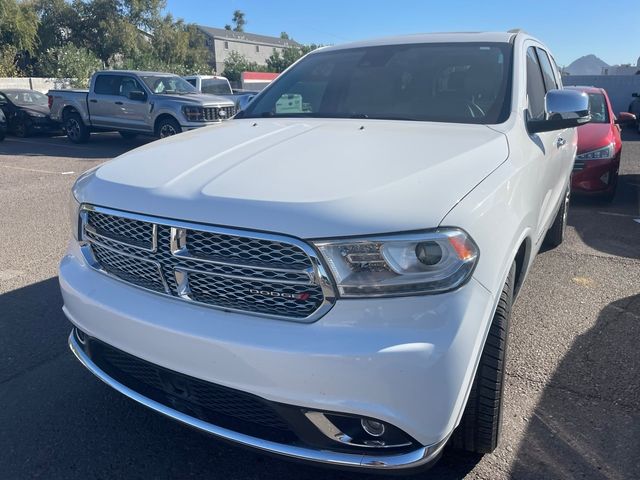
{"x": 329, "y": 276}
{"x": 133, "y": 103}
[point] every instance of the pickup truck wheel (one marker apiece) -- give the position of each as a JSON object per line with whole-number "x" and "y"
{"x": 76, "y": 130}
{"x": 480, "y": 426}
{"x": 555, "y": 234}
{"x": 168, "y": 127}
{"x": 128, "y": 135}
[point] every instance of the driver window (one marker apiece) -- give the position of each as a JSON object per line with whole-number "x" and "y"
{"x": 128, "y": 85}
{"x": 535, "y": 86}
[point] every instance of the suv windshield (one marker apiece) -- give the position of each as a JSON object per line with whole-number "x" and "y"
{"x": 598, "y": 108}
{"x": 215, "y": 86}
{"x": 26, "y": 98}
{"x": 170, "y": 85}
{"x": 441, "y": 82}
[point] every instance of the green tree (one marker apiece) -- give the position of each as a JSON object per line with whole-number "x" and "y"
{"x": 239, "y": 21}
{"x": 8, "y": 63}
{"x": 236, "y": 63}
{"x": 69, "y": 61}
{"x": 279, "y": 63}
{"x": 18, "y": 25}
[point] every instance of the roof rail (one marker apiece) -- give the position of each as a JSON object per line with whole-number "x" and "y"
{"x": 516, "y": 30}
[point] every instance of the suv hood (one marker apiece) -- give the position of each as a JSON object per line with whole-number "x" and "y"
{"x": 309, "y": 178}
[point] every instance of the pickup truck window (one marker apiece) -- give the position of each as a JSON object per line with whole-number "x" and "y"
{"x": 442, "y": 82}
{"x": 215, "y": 86}
{"x": 107, "y": 84}
{"x": 168, "y": 84}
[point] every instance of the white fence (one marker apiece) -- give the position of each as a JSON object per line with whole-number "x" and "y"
{"x": 34, "y": 83}
{"x": 618, "y": 87}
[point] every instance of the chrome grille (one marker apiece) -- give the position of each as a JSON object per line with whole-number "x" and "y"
{"x": 257, "y": 273}
{"x": 218, "y": 113}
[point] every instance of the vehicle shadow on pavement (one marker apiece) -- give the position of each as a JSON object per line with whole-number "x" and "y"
{"x": 615, "y": 232}
{"x": 107, "y": 145}
{"x": 58, "y": 421}
{"x": 587, "y": 422}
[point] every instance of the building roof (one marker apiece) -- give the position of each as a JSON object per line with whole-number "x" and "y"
{"x": 247, "y": 37}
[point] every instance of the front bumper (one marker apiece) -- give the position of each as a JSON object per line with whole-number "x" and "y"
{"x": 406, "y": 361}
{"x": 588, "y": 175}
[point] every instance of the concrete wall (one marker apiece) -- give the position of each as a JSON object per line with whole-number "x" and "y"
{"x": 248, "y": 49}
{"x": 618, "y": 87}
{"x": 34, "y": 83}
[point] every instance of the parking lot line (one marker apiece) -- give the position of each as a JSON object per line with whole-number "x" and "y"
{"x": 36, "y": 170}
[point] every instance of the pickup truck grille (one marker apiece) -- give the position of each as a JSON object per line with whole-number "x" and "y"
{"x": 262, "y": 274}
{"x": 218, "y": 113}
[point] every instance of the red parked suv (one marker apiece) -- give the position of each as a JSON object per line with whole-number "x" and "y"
{"x": 599, "y": 147}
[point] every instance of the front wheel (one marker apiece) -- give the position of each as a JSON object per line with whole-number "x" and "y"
{"x": 21, "y": 128}
{"x": 77, "y": 131}
{"x": 479, "y": 429}
{"x": 167, "y": 127}
{"x": 555, "y": 234}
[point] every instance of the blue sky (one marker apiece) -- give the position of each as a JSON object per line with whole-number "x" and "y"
{"x": 571, "y": 29}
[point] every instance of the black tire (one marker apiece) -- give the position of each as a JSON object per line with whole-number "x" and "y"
{"x": 480, "y": 426}
{"x": 77, "y": 131}
{"x": 2, "y": 135}
{"x": 21, "y": 128}
{"x": 167, "y": 127}
{"x": 611, "y": 194}
{"x": 128, "y": 135}
{"x": 555, "y": 234}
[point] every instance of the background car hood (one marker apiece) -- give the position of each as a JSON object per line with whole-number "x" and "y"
{"x": 198, "y": 99}
{"x": 593, "y": 136}
{"x": 311, "y": 179}
{"x": 35, "y": 108}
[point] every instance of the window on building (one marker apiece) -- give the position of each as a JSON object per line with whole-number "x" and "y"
{"x": 226, "y": 45}
{"x": 257, "y": 48}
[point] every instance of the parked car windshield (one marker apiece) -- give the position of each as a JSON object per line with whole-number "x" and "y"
{"x": 170, "y": 85}
{"x": 441, "y": 82}
{"x": 598, "y": 107}
{"x": 25, "y": 98}
{"x": 215, "y": 86}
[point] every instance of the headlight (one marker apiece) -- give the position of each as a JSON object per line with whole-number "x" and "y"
{"x": 36, "y": 114}
{"x": 599, "y": 154}
{"x": 74, "y": 216}
{"x": 193, "y": 114}
{"x": 406, "y": 264}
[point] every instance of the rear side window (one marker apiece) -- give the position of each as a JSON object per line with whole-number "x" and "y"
{"x": 107, "y": 85}
{"x": 535, "y": 86}
{"x": 547, "y": 70}
{"x": 192, "y": 81}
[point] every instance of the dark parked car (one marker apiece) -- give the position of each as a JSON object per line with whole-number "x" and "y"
{"x": 27, "y": 112}
{"x": 3, "y": 125}
{"x": 595, "y": 171}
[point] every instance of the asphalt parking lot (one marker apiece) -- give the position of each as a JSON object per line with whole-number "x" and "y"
{"x": 573, "y": 384}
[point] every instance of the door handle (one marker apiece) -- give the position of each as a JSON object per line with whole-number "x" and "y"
{"x": 560, "y": 142}
{"x": 93, "y": 100}
{"x": 118, "y": 103}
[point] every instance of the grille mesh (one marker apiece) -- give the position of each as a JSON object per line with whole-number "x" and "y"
{"x": 226, "y": 271}
{"x": 213, "y": 113}
{"x": 210, "y": 402}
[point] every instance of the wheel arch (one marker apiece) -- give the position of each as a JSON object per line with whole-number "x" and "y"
{"x": 161, "y": 117}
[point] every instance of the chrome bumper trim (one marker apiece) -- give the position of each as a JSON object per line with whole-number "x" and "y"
{"x": 413, "y": 459}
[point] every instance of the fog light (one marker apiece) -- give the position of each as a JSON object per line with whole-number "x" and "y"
{"x": 373, "y": 428}
{"x": 605, "y": 178}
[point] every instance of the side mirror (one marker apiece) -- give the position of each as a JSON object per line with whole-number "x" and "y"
{"x": 137, "y": 95}
{"x": 625, "y": 118}
{"x": 564, "y": 109}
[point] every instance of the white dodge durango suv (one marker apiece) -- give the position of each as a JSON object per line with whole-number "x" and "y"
{"x": 330, "y": 275}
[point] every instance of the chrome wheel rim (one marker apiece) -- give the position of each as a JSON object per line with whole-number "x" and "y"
{"x": 167, "y": 130}
{"x": 73, "y": 129}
